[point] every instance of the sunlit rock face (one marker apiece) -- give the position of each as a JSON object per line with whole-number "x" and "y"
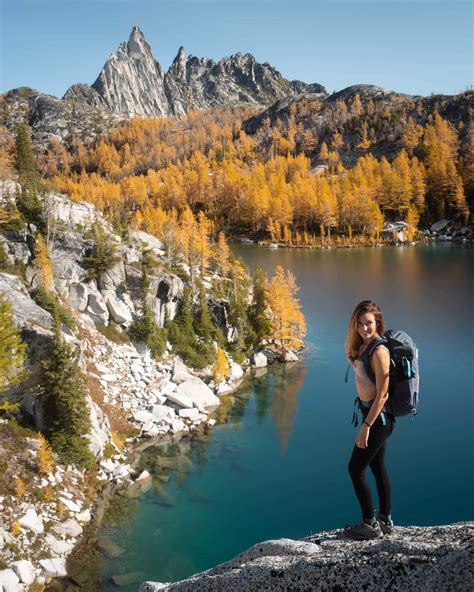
{"x": 132, "y": 82}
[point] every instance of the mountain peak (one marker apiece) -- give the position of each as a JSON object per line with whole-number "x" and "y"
{"x": 137, "y": 44}
{"x": 134, "y": 83}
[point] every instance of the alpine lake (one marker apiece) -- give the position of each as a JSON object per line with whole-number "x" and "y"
{"x": 275, "y": 464}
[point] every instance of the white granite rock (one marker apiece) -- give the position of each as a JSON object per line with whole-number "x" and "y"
{"x": 235, "y": 372}
{"x": 8, "y": 579}
{"x": 144, "y": 476}
{"x": 69, "y": 528}
{"x": 32, "y": 522}
{"x": 180, "y": 398}
{"x": 55, "y": 567}
{"x": 142, "y": 416}
{"x": 25, "y": 571}
{"x": 58, "y": 547}
{"x": 290, "y": 356}
{"x": 189, "y": 413}
{"x": 159, "y": 412}
{"x": 199, "y": 393}
{"x": 70, "y": 505}
{"x": 259, "y": 360}
{"x": 118, "y": 310}
{"x": 84, "y": 516}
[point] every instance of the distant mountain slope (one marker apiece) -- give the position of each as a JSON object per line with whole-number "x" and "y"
{"x": 358, "y": 119}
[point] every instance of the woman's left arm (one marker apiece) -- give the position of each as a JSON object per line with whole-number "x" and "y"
{"x": 381, "y": 364}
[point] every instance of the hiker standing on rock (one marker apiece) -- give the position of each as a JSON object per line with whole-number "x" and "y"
{"x": 365, "y": 349}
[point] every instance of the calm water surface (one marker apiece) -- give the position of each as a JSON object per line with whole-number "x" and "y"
{"x": 277, "y": 466}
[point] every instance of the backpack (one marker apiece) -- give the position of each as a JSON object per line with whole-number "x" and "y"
{"x": 404, "y": 382}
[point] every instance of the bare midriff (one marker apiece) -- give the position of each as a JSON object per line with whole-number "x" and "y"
{"x": 366, "y": 389}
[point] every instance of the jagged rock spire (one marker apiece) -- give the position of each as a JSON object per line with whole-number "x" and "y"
{"x": 133, "y": 82}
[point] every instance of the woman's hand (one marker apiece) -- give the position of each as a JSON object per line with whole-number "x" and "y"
{"x": 362, "y": 438}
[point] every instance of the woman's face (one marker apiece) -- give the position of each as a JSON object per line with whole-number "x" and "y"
{"x": 366, "y": 325}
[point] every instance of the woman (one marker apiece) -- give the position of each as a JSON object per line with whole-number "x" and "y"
{"x": 365, "y": 326}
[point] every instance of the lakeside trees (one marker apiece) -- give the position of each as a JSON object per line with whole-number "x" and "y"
{"x": 230, "y": 182}
{"x": 287, "y": 323}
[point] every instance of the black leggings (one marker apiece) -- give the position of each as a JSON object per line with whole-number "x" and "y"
{"x": 373, "y": 455}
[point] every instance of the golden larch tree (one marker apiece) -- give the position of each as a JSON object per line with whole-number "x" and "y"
{"x": 288, "y": 325}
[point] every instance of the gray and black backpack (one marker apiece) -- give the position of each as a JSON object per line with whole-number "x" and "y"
{"x": 404, "y": 385}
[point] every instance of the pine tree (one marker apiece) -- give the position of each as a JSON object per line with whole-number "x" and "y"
{"x": 103, "y": 255}
{"x": 182, "y": 335}
{"x": 12, "y": 349}
{"x": 28, "y": 201}
{"x": 257, "y": 311}
{"x": 202, "y": 321}
{"x": 64, "y": 385}
{"x": 146, "y": 329}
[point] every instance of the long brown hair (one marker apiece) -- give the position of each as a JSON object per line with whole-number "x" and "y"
{"x": 353, "y": 339}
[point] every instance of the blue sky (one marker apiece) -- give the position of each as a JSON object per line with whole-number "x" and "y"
{"x": 412, "y": 46}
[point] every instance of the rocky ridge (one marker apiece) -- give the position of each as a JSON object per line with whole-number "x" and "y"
{"x": 134, "y": 83}
{"x": 423, "y": 558}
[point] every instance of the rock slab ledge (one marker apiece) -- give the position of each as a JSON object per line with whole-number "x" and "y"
{"x": 422, "y": 558}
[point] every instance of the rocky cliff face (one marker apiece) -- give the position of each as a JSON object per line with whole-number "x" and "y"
{"x": 413, "y": 558}
{"x": 132, "y": 82}
{"x": 82, "y": 114}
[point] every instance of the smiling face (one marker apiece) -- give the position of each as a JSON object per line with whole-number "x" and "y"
{"x": 367, "y": 326}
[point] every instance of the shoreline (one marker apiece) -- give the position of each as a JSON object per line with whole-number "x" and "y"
{"x": 130, "y": 488}
{"x": 236, "y": 240}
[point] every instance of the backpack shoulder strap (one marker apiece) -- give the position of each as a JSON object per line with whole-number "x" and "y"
{"x": 365, "y": 357}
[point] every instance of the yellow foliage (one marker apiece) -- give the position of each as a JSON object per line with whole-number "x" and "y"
{"x": 48, "y": 493}
{"x": 42, "y": 263}
{"x": 221, "y": 367}
{"x": 119, "y": 440}
{"x": 20, "y": 488}
{"x": 7, "y": 406}
{"x": 288, "y": 326}
{"x": 45, "y": 456}
{"x": 15, "y": 528}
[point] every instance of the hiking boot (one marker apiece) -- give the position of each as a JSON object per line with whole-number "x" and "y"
{"x": 385, "y": 525}
{"x": 363, "y": 531}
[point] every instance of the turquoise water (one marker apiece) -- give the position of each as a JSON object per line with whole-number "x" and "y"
{"x": 277, "y": 467}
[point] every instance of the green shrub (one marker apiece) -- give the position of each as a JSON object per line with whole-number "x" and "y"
{"x": 52, "y": 304}
{"x": 113, "y": 333}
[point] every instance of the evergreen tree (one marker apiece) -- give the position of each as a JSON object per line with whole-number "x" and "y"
{"x": 65, "y": 387}
{"x": 12, "y": 349}
{"x": 202, "y": 321}
{"x": 146, "y": 329}
{"x": 181, "y": 333}
{"x": 28, "y": 202}
{"x": 257, "y": 310}
{"x": 103, "y": 254}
